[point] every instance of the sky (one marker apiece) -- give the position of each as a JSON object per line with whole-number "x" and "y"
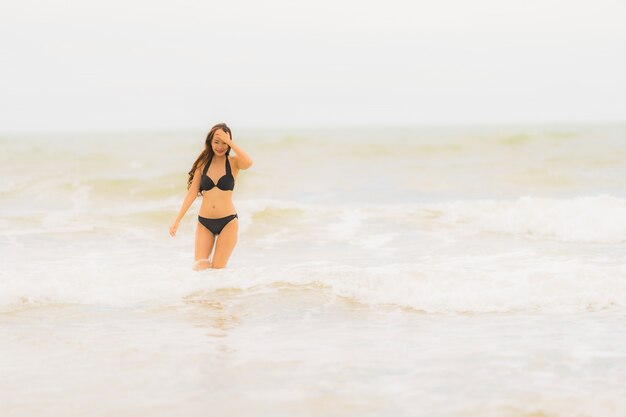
{"x": 188, "y": 64}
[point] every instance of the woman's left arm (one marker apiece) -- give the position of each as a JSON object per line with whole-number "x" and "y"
{"x": 243, "y": 159}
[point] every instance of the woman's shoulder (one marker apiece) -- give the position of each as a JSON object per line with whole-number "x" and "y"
{"x": 200, "y": 167}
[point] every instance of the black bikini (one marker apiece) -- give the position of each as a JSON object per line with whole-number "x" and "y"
{"x": 226, "y": 183}
{"x": 216, "y": 225}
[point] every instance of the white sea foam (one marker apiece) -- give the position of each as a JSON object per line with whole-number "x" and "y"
{"x": 412, "y": 255}
{"x": 598, "y": 218}
{"x": 477, "y": 284}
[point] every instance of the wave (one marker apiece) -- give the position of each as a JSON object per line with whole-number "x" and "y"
{"x": 582, "y": 219}
{"x": 589, "y": 219}
{"x": 470, "y": 284}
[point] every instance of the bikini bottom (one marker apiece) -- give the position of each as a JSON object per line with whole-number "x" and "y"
{"x": 216, "y": 225}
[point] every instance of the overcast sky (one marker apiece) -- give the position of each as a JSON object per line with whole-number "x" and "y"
{"x": 120, "y": 64}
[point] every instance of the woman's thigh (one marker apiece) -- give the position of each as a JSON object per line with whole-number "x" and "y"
{"x": 226, "y": 241}
{"x": 205, "y": 239}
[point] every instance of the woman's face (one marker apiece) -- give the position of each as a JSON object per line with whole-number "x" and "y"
{"x": 218, "y": 145}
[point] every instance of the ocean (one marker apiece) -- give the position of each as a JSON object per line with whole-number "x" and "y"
{"x": 401, "y": 271}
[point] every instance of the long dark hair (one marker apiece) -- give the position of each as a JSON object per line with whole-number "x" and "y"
{"x": 207, "y": 153}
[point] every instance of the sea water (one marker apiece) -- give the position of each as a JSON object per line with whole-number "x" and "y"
{"x": 431, "y": 271}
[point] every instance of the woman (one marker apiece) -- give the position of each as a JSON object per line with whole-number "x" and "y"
{"x": 218, "y": 216}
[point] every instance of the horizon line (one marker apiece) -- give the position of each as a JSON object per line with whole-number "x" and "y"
{"x": 146, "y": 129}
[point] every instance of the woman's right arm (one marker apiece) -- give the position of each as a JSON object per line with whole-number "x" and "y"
{"x": 191, "y": 196}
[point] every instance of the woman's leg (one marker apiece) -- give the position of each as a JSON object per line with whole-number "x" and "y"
{"x": 226, "y": 241}
{"x": 204, "y": 245}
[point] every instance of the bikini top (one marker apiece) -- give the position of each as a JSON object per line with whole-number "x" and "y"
{"x": 227, "y": 182}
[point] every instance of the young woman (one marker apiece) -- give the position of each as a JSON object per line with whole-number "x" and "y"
{"x": 213, "y": 177}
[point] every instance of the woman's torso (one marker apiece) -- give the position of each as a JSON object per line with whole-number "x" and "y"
{"x": 216, "y": 202}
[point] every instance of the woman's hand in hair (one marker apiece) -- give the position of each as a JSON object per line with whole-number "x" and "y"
{"x": 226, "y": 139}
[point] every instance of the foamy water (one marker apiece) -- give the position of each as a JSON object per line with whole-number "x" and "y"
{"x": 435, "y": 272}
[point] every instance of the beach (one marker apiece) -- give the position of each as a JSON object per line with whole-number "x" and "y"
{"x": 405, "y": 271}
